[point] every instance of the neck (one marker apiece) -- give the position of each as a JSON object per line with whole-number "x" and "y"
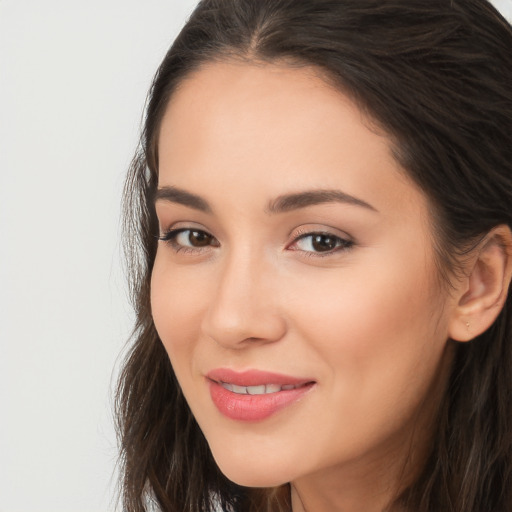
{"x": 362, "y": 486}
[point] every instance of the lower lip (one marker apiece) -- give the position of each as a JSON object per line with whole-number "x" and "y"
{"x": 253, "y": 407}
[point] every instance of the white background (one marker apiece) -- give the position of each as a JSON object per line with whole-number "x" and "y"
{"x": 73, "y": 81}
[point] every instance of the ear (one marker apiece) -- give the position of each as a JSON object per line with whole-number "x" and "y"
{"x": 483, "y": 291}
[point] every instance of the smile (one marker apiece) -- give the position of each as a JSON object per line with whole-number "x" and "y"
{"x": 263, "y": 389}
{"x": 254, "y": 395}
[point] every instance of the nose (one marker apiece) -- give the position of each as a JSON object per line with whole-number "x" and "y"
{"x": 244, "y": 309}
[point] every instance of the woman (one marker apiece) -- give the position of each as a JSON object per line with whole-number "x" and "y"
{"x": 321, "y": 209}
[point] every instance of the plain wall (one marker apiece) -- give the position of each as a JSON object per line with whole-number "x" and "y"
{"x": 73, "y": 81}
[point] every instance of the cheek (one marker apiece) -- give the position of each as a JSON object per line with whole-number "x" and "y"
{"x": 379, "y": 336}
{"x": 361, "y": 306}
{"x": 177, "y": 305}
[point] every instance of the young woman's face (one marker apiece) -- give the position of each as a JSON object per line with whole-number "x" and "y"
{"x": 294, "y": 287}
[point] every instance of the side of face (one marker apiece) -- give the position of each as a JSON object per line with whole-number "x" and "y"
{"x": 339, "y": 292}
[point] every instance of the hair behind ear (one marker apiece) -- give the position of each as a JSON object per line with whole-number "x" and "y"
{"x": 469, "y": 468}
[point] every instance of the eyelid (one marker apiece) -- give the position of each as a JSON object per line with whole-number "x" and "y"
{"x": 347, "y": 242}
{"x": 169, "y": 237}
{"x": 169, "y": 227}
{"x": 320, "y": 230}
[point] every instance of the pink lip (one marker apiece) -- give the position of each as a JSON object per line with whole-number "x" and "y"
{"x": 244, "y": 407}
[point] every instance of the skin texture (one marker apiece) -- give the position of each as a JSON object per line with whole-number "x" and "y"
{"x": 368, "y": 323}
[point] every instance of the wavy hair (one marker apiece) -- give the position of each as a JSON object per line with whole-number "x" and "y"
{"x": 436, "y": 76}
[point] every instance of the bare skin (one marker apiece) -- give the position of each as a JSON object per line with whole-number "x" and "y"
{"x": 340, "y": 289}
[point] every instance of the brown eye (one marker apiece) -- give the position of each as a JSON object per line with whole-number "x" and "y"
{"x": 199, "y": 238}
{"x": 188, "y": 239}
{"x": 321, "y": 243}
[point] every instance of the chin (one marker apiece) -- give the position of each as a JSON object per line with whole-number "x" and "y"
{"x": 242, "y": 471}
{"x": 249, "y": 479}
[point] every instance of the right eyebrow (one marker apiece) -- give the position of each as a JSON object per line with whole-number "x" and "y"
{"x": 180, "y": 196}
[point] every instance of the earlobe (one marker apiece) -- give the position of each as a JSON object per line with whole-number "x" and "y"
{"x": 483, "y": 292}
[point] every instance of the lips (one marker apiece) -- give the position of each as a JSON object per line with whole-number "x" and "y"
{"x": 254, "y": 395}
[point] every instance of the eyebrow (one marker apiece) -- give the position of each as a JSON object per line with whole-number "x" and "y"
{"x": 288, "y": 202}
{"x": 281, "y": 204}
{"x": 180, "y": 196}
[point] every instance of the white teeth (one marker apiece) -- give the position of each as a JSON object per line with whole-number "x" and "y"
{"x": 241, "y": 390}
{"x": 263, "y": 389}
{"x": 256, "y": 390}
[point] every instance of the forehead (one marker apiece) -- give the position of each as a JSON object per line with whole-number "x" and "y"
{"x": 272, "y": 127}
{"x": 239, "y": 99}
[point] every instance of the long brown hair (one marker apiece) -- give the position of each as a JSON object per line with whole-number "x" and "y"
{"x": 436, "y": 75}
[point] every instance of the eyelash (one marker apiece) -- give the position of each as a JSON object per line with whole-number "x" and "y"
{"x": 170, "y": 238}
{"x": 342, "y": 244}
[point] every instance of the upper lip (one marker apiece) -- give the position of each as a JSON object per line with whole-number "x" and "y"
{"x": 254, "y": 377}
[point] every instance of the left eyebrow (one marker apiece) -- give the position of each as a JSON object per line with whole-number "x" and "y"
{"x": 289, "y": 202}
